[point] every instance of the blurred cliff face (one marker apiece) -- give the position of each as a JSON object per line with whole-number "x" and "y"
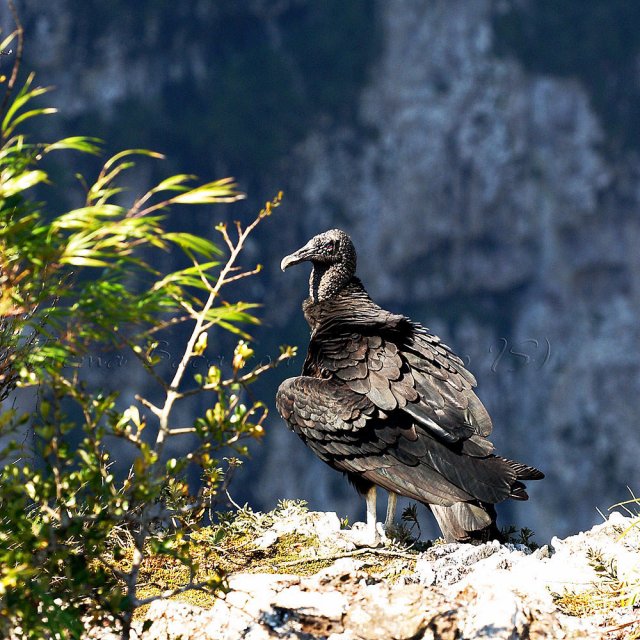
{"x": 482, "y": 155}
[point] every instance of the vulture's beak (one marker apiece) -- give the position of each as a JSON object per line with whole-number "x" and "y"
{"x": 302, "y": 254}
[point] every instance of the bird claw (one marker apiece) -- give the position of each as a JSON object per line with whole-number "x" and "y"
{"x": 363, "y": 536}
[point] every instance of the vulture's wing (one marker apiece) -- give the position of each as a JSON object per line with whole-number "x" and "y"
{"x": 406, "y": 368}
{"x": 349, "y": 432}
{"x": 446, "y": 392}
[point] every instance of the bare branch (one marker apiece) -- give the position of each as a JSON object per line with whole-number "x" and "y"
{"x": 222, "y": 228}
{"x": 172, "y": 392}
{"x": 166, "y": 324}
{"x": 180, "y": 431}
{"x": 152, "y": 407}
{"x": 245, "y": 274}
{"x": 199, "y": 586}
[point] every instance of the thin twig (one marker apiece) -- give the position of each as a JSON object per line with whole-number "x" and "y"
{"x": 242, "y": 380}
{"x": 202, "y": 275}
{"x": 247, "y": 377}
{"x": 232, "y": 502}
{"x": 350, "y": 554}
{"x": 167, "y": 323}
{"x": 622, "y": 625}
{"x": 180, "y": 431}
{"x": 147, "y": 365}
{"x": 152, "y": 407}
{"x": 245, "y": 274}
{"x": 199, "y": 586}
{"x": 223, "y": 230}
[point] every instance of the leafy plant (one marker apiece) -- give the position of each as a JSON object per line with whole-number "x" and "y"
{"x": 406, "y": 533}
{"x": 94, "y": 280}
{"x": 611, "y": 589}
{"x": 523, "y": 536}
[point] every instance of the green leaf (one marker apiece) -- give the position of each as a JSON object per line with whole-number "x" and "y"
{"x": 174, "y": 183}
{"x": 232, "y": 328}
{"x": 130, "y": 152}
{"x": 14, "y": 227}
{"x": 22, "y": 98}
{"x": 190, "y": 242}
{"x": 210, "y": 193}
{"x": 8, "y": 40}
{"x": 22, "y": 182}
{"x": 31, "y": 114}
{"x": 189, "y": 277}
{"x": 83, "y": 261}
{"x": 87, "y": 217}
{"x": 234, "y": 313}
{"x": 76, "y": 143}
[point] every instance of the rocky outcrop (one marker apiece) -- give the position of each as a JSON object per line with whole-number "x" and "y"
{"x": 447, "y": 591}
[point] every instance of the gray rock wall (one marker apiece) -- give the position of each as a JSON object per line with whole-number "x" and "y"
{"x": 481, "y": 199}
{"x": 483, "y": 206}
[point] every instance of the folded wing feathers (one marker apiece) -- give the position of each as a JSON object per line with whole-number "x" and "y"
{"x": 422, "y": 377}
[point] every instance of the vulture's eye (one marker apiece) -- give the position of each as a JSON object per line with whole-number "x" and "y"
{"x": 330, "y": 246}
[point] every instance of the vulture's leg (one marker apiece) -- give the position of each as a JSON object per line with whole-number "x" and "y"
{"x": 371, "y": 514}
{"x": 391, "y": 510}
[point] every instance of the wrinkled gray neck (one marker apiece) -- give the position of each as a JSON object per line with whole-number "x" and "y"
{"x": 326, "y": 281}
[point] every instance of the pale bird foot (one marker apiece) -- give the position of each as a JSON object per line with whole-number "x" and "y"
{"x": 363, "y": 536}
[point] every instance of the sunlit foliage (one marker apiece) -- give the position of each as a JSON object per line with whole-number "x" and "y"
{"x": 84, "y": 282}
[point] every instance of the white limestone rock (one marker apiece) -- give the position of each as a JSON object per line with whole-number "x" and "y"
{"x": 449, "y": 591}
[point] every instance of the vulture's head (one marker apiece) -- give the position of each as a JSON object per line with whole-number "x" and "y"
{"x": 328, "y": 248}
{"x": 333, "y": 257}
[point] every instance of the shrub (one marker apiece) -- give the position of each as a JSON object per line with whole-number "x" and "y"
{"x": 73, "y": 534}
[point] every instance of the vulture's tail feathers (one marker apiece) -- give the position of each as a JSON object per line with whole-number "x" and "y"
{"x": 523, "y": 472}
{"x": 465, "y": 521}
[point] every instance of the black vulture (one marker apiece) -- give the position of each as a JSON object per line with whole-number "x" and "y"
{"x": 385, "y": 401}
